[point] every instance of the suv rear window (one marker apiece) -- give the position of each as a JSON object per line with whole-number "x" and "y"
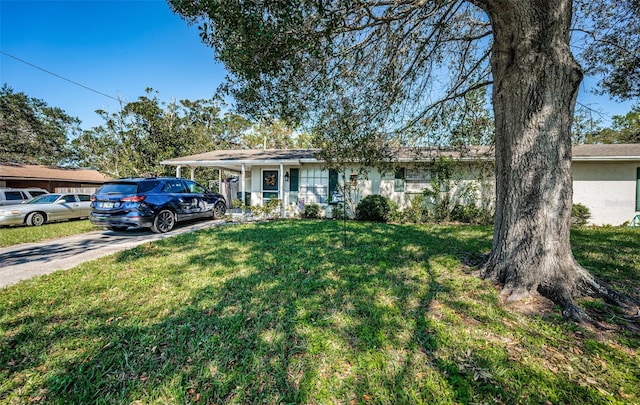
{"x": 13, "y": 195}
{"x": 128, "y": 188}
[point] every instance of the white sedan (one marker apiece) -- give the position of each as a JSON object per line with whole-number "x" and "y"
{"x": 46, "y": 208}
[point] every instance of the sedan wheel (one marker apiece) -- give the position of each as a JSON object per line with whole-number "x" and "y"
{"x": 163, "y": 222}
{"x": 35, "y": 219}
{"x": 219, "y": 210}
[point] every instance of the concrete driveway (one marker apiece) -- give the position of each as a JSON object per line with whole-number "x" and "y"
{"x": 27, "y": 260}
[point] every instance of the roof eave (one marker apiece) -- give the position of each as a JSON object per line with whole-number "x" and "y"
{"x": 606, "y": 158}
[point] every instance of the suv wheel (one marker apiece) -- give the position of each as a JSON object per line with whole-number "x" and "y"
{"x": 35, "y": 219}
{"x": 163, "y": 222}
{"x": 219, "y": 210}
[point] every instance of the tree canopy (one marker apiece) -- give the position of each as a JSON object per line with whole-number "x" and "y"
{"x": 31, "y": 131}
{"x": 133, "y": 140}
{"x": 399, "y": 64}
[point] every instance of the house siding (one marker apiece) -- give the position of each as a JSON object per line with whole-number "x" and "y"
{"x": 605, "y": 177}
{"x": 607, "y": 189}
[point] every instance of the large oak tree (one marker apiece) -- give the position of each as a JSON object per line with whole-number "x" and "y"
{"x": 375, "y": 72}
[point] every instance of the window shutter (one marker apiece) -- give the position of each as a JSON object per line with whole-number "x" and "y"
{"x": 333, "y": 181}
{"x": 638, "y": 189}
{"x": 294, "y": 180}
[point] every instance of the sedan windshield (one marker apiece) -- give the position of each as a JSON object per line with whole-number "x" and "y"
{"x": 43, "y": 199}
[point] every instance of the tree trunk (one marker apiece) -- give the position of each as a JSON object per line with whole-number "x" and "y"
{"x": 536, "y": 82}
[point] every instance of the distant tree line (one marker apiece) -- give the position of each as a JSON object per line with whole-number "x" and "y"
{"x": 588, "y": 129}
{"x": 132, "y": 141}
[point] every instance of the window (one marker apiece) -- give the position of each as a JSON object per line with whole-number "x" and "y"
{"x": 68, "y": 198}
{"x": 416, "y": 179}
{"x": 314, "y": 186}
{"x": 84, "y": 197}
{"x": 174, "y": 186}
{"x": 417, "y": 175}
{"x": 13, "y": 195}
{"x": 195, "y": 187}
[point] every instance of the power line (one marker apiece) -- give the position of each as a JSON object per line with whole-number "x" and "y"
{"x": 58, "y": 76}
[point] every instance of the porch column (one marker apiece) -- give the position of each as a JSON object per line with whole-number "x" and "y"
{"x": 193, "y": 173}
{"x": 281, "y": 189}
{"x": 178, "y": 170}
{"x": 219, "y": 180}
{"x": 242, "y": 188}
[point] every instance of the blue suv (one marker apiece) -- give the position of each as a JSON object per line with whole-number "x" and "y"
{"x": 157, "y": 203}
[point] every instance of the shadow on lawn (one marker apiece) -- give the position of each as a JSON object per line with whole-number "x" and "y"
{"x": 294, "y": 318}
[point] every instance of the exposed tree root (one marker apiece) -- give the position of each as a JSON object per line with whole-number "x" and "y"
{"x": 564, "y": 293}
{"x": 590, "y": 286}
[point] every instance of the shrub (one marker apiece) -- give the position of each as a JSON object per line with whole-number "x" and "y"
{"x": 374, "y": 208}
{"x": 341, "y": 212}
{"x": 469, "y": 214}
{"x": 311, "y": 211}
{"x": 416, "y": 212}
{"x": 580, "y": 214}
{"x": 237, "y": 204}
{"x": 271, "y": 209}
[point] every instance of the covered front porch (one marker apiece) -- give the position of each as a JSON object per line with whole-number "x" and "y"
{"x": 263, "y": 174}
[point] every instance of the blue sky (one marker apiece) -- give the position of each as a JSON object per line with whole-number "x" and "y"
{"x": 121, "y": 47}
{"x": 116, "y": 47}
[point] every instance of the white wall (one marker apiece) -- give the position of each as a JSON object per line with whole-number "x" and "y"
{"x": 608, "y": 189}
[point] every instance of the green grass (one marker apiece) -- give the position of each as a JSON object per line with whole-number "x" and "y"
{"x": 279, "y": 312}
{"x": 10, "y": 236}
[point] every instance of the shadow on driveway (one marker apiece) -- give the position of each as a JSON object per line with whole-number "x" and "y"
{"x": 27, "y": 260}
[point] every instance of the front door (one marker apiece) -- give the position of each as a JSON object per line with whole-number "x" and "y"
{"x": 270, "y": 182}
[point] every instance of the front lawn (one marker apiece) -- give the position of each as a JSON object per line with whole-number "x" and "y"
{"x": 279, "y": 312}
{"x": 14, "y": 235}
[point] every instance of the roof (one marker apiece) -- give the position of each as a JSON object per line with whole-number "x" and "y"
{"x": 13, "y": 171}
{"x": 630, "y": 151}
{"x": 234, "y": 159}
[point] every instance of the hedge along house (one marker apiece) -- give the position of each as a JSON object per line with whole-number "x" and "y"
{"x": 606, "y": 178}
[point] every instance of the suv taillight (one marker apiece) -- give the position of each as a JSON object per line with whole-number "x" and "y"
{"x": 135, "y": 198}
{"x": 93, "y": 198}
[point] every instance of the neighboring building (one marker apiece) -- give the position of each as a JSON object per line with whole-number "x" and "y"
{"x": 606, "y": 178}
{"x": 52, "y": 179}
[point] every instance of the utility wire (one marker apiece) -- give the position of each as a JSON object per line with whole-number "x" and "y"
{"x": 58, "y": 76}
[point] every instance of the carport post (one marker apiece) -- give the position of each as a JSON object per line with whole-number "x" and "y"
{"x": 242, "y": 189}
{"x": 193, "y": 173}
{"x": 281, "y": 189}
{"x": 178, "y": 170}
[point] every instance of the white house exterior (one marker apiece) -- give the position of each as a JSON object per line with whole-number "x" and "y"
{"x": 606, "y": 178}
